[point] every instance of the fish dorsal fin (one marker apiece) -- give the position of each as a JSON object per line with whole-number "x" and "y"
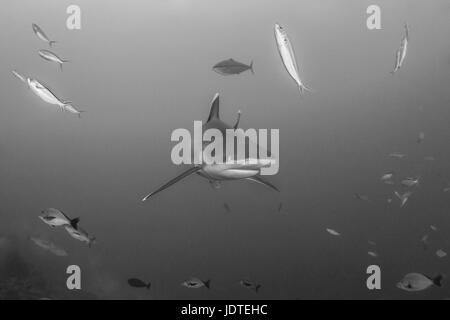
{"x": 214, "y": 113}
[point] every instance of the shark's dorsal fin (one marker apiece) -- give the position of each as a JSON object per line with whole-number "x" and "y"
{"x": 214, "y": 113}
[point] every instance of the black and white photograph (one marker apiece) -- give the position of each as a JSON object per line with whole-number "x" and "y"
{"x": 225, "y": 154}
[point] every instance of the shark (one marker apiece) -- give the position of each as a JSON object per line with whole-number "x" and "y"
{"x": 243, "y": 169}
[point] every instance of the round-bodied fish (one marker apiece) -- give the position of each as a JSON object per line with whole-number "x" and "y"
{"x": 414, "y": 282}
{"x": 230, "y": 67}
{"x": 137, "y": 283}
{"x": 56, "y": 218}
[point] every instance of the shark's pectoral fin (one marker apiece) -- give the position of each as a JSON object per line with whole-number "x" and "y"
{"x": 259, "y": 179}
{"x": 173, "y": 181}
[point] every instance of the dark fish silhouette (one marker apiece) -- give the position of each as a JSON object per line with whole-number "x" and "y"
{"x": 230, "y": 66}
{"x": 136, "y": 283}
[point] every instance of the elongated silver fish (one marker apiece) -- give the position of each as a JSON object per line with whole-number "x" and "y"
{"x": 288, "y": 56}
{"x": 52, "y": 57}
{"x": 41, "y": 34}
{"x": 401, "y": 52}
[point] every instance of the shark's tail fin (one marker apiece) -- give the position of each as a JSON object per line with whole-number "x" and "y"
{"x": 251, "y": 67}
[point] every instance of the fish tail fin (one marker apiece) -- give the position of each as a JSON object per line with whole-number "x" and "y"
{"x": 80, "y": 112}
{"x": 437, "y": 281}
{"x": 305, "y": 88}
{"x": 257, "y": 288}
{"x": 251, "y": 67}
{"x": 51, "y": 43}
{"x": 74, "y": 223}
{"x": 208, "y": 284}
{"x": 61, "y": 66}
{"x": 148, "y": 286}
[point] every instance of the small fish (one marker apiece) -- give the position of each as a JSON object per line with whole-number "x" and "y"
{"x": 434, "y": 228}
{"x": 136, "y": 283}
{"x": 361, "y": 197}
{"x": 387, "y": 176}
{"x": 372, "y": 254}
{"x": 420, "y": 138}
{"x": 81, "y": 235}
{"x": 397, "y": 155}
{"x": 50, "y": 56}
{"x": 403, "y": 197}
{"x": 250, "y": 285}
{"x": 288, "y": 56}
{"x": 441, "y": 253}
{"x": 410, "y": 182}
{"x": 401, "y": 52}
{"x": 230, "y": 66}
{"x": 413, "y": 282}
{"x": 195, "y": 283}
{"x": 49, "y": 246}
{"x": 333, "y": 232}
{"x": 56, "y": 218}
{"x": 41, "y": 35}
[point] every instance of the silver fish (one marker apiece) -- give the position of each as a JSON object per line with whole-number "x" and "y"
{"x": 52, "y": 57}
{"x": 333, "y": 232}
{"x": 288, "y": 56}
{"x": 441, "y": 253}
{"x": 410, "y": 182}
{"x": 401, "y": 52}
{"x": 41, "y": 34}
{"x": 195, "y": 283}
{"x": 403, "y": 197}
